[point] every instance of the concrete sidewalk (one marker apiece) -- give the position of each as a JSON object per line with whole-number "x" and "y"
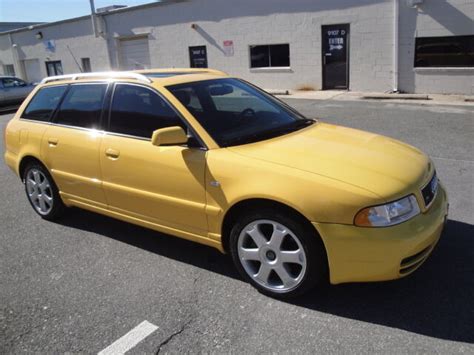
{"x": 424, "y": 99}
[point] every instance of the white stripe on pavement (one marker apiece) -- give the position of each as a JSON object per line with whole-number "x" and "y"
{"x": 129, "y": 340}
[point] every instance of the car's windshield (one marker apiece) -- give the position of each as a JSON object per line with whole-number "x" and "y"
{"x": 234, "y": 112}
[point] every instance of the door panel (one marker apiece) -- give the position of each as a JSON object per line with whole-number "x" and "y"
{"x": 164, "y": 185}
{"x": 335, "y": 51}
{"x": 73, "y": 158}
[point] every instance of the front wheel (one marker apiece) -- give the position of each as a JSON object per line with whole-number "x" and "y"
{"x": 42, "y": 192}
{"x": 281, "y": 256}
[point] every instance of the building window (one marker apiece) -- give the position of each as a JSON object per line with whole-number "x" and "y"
{"x": 267, "y": 56}
{"x": 54, "y": 68}
{"x": 86, "y": 65}
{"x": 452, "y": 51}
{"x": 9, "y": 69}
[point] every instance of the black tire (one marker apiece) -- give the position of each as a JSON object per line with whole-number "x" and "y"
{"x": 57, "y": 207}
{"x": 316, "y": 269}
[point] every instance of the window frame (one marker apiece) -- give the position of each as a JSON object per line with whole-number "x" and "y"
{"x": 54, "y": 116}
{"x": 54, "y": 63}
{"x": 440, "y": 67}
{"x": 106, "y": 127}
{"x": 269, "y": 67}
{"x": 89, "y": 64}
{"x": 53, "y": 113}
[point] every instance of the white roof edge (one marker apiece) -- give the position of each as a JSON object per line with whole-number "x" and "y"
{"x": 104, "y": 75}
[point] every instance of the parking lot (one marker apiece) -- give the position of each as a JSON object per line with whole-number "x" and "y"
{"x": 82, "y": 283}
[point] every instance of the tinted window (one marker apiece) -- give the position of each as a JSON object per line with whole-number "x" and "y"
{"x": 234, "y": 112}
{"x": 138, "y": 111}
{"x": 275, "y": 55}
{"x": 452, "y": 51}
{"x": 44, "y": 103}
{"x": 13, "y": 82}
{"x": 82, "y": 106}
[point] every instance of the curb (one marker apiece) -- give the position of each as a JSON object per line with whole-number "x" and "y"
{"x": 396, "y": 97}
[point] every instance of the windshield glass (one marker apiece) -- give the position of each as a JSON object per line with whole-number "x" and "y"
{"x": 234, "y": 112}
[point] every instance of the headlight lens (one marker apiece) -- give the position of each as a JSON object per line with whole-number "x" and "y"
{"x": 388, "y": 215}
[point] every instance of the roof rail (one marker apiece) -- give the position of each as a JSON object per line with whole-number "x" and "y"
{"x": 105, "y": 75}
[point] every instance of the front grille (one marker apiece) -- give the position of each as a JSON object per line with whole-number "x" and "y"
{"x": 429, "y": 191}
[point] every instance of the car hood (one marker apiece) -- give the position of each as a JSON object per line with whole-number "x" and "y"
{"x": 382, "y": 165}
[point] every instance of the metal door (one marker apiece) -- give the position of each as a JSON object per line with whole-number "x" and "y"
{"x": 335, "y": 51}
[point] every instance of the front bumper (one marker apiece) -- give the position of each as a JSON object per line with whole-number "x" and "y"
{"x": 377, "y": 254}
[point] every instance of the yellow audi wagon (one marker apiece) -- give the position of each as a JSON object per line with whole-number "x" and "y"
{"x": 211, "y": 158}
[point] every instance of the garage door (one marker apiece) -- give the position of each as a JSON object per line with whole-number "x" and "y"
{"x": 134, "y": 54}
{"x": 32, "y": 70}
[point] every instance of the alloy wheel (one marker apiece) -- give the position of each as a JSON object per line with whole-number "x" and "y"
{"x": 39, "y": 191}
{"x": 272, "y": 255}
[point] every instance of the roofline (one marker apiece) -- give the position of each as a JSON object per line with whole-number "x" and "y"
{"x": 111, "y": 12}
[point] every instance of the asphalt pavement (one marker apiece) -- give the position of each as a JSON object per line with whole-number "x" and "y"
{"x": 81, "y": 284}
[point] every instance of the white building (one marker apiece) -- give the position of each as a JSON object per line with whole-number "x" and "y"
{"x": 421, "y": 46}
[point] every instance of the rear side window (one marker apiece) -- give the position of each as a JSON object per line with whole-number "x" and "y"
{"x": 138, "y": 111}
{"x": 82, "y": 106}
{"x": 43, "y": 104}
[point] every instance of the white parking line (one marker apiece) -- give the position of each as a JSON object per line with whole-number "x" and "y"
{"x": 129, "y": 340}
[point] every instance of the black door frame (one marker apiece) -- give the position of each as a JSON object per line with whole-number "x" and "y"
{"x": 348, "y": 54}
{"x": 190, "y": 48}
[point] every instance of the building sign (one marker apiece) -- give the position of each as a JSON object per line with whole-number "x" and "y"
{"x": 50, "y": 45}
{"x": 336, "y": 39}
{"x": 198, "y": 57}
{"x": 229, "y": 48}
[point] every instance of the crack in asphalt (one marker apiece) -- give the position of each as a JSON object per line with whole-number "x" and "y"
{"x": 185, "y": 325}
{"x": 171, "y": 336}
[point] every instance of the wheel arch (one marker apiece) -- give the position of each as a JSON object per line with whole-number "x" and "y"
{"x": 244, "y": 206}
{"x": 25, "y": 161}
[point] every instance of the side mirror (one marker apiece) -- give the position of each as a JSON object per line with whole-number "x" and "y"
{"x": 169, "y": 136}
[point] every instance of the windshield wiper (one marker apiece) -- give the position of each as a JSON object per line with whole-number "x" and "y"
{"x": 273, "y": 132}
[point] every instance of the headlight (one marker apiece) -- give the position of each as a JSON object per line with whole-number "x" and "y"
{"x": 388, "y": 215}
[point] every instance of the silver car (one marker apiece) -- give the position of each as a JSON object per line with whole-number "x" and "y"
{"x": 13, "y": 90}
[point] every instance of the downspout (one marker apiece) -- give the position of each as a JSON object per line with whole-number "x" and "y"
{"x": 94, "y": 29}
{"x": 105, "y": 36}
{"x": 396, "y": 10}
{"x": 16, "y": 58}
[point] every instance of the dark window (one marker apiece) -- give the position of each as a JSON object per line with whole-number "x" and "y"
{"x": 234, "y": 112}
{"x": 198, "y": 57}
{"x": 43, "y": 104}
{"x": 138, "y": 111}
{"x": 453, "y": 51}
{"x": 54, "y": 68}
{"x": 13, "y": 83}
{"x": 82, "y": 106}
{"x": 9, "y": 69}
{"x": 274, "y": 55}
{"x": 86, "y": 65}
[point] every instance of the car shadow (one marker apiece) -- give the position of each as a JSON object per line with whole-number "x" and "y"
{"x": 437, "y": 300}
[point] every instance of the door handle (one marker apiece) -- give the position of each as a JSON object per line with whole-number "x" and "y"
{"x": 53, "y": 141}
{"x": 112, "y": 153}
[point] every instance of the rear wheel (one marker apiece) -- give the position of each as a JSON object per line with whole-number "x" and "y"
{"x": 278, "y": 254}
{"x": 42, "y": 192}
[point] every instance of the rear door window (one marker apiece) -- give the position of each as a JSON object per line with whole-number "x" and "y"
{"x": 82, "y": 106}
{"x": 138, "y": 111}
{"x": 44, "y": 103}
